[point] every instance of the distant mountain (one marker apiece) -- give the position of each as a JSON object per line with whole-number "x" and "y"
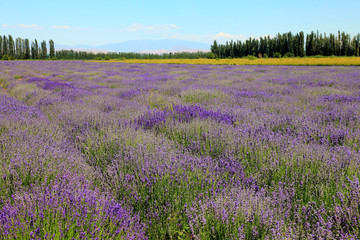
{"x": 166, "y": 45}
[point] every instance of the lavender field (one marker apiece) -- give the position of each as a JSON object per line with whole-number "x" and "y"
{"x": 146, "y": 151}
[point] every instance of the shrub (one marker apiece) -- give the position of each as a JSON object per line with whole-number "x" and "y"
{"x": 250, "y": 57}
{"x": 318, "y": 56}
{"x": 210, "y": 55}
{"x": 68, "y": 211}
{"x": 289, "y": 54}
{"x": 277, "y": 55}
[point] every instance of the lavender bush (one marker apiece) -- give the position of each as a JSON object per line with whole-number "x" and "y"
{"x": 65, "y": 210}
{"x": 143, "y": 151}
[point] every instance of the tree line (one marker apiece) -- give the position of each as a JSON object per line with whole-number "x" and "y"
{"x": 290, "y": 45}
{"x": 83, "y": 55}
{"x": 281, "y": 45}
{"x": 11, "y": 49}
{"x": 23, "y": 49}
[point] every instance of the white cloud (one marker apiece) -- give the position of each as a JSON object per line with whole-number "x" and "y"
{"x": 229, "y": 36}
{"x": 33, "y": 26}
{"x": 136, "y": 27}
{"x": 36, "y": 26}
{"x": 61, "y": 27}
{"x": 66, "y": 27}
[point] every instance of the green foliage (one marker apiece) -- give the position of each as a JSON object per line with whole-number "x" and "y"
{"x": 277, "y": 55}
{"x": 234, "y": 227}
{"x": 43, "y": 50}
{"x": 34, "y": 50}
{"x": 27, "y": 49}
{"x": 289, "y": 55}
{"x": 179, "y": 188}
{"x": 52, "y": 49}
{"x": 290, "y": 45}
{"x": 317, "y": 56}
{"x": 13, "y": 49}
{"x": 201, "y": 96}
{"x": 71, "y": 54}
{"x": 4, "y": 84}
{"x": 196, "y": 139}
{"x": 250, "y": 57}
{"x": 5, "y": 58}
{"x": 210, "y": 55}
{"x": 157, "y": 100}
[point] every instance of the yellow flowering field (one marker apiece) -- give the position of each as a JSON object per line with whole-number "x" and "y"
{"x": 323, "y": 61}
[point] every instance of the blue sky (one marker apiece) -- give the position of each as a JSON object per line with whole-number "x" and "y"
{"x": 101, "y": 22}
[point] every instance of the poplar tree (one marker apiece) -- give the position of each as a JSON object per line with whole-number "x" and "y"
{"x": 52, "y": 49}
{"x": 11, "y": 47}
{"x": 34, "y": 50}
{"x": 27, "y": 49}
{"x": 290, "y": 45}
{"x": 301, "y": 44}
{"x": 271, "y": 46}
{"x": 309, "y": 44}
{"x": 332, "y": 45}
{"x": 5, "y": 46}
{"x": 43, "y": 50}
{"x": 17, "y": 48}
{"x": 215, "y": 49}
{"x": 22, "y": 49}
{"x": 1, "y": 47}
{"x": 338, "y": 45}
{"x": 358, "y": 45}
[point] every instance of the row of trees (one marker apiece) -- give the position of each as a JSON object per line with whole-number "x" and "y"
{"x": 81, "y": 55}
{"x": 19, "y": 48}
{"x": 286, "y": 44}
{"x": 290, "y": 45}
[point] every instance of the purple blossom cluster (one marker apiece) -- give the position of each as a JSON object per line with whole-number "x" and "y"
{"x": 10, "y": 106}
{"x": 64, "y": 210}
{"x": 48, "y": 84}
{"x": 181, "y": 113}
{"x": 142, "y": 151}
{"x": 341, "y": 98}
